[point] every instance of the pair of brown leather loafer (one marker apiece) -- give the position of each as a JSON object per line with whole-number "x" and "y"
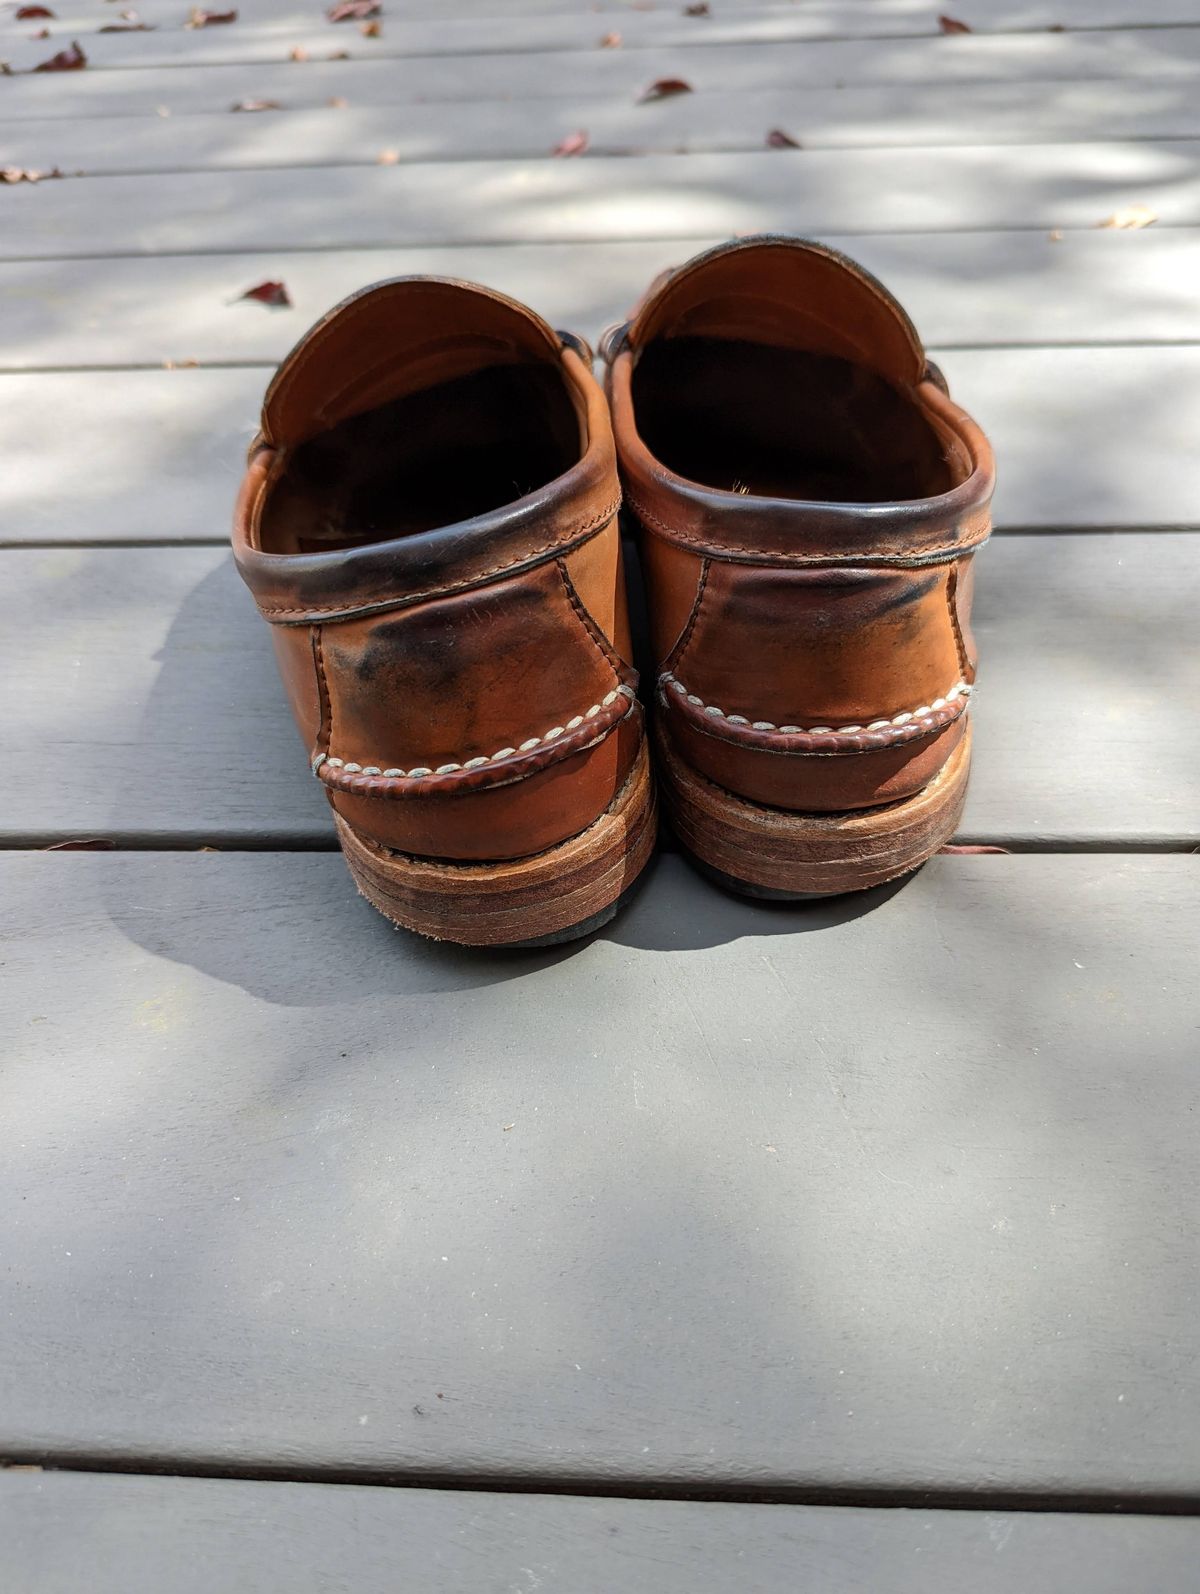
{"x": 429, "y": 521}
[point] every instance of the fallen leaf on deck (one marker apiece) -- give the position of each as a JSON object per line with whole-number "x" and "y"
{"x": 611, "y": 41}
{"x": 20, "y": 174}
{"x": 337, "y": 103}
{"x": 354, "y": 10}
{"x": 1130, "y": 217}
{"x": 298, "y": 54}
{"x": 700, "y": 9}
{"x": 370, "y": 30}
{"x": 199, "y": 18}
{"x": 778, "y": 139}
{"x": 952, "y": 25}
{"x": 573, "y": 144}
{"x": 256, "y": 105}
{"x": 33, "y": 13}
{"x": 964, "y": 852}
{"x": 72, "y": 60}
{"x": 180, "y": 365}
{"x": 388, "y": 157}
{"x": 662, "y": 88}
{"x": 272, "y": 293}
{"x": 84, "y": 844}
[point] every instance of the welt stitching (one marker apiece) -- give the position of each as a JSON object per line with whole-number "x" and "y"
{"x": 325, "y": 728}
{"x": 676, "y": 656}
{"x": 578, "y": 533}
{"x": 952, "y": 609}
{"x": 948, "y": 552}
{"x": 595, "y": 636}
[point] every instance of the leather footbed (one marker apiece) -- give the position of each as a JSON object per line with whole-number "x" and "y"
{"x": 784, "y": 423}
{"x": 428, "y": 459}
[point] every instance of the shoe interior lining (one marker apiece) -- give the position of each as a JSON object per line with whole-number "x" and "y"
{"x": 429, "y": 459}
{"x": 774, "y": 422}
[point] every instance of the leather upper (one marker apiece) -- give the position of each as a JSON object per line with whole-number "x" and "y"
{"x": 810, "y": 501}
{"x": 428, "y": 520}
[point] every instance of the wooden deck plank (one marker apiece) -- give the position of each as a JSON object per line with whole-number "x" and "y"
{"x": 155, "y": 456}
{"x": 144, "y": 702}
{"x": 220, "y": 76}
{"x": 278, "y": 1178}
{"x": 1028, "y": 186}
{"x": 68, "y": 1530}
{"x": 975, "y": 289}
{"x": 818, "y": 118}
{"x": 505, "y": 26}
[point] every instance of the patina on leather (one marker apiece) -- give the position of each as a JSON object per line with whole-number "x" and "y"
{"x": 428, "y": 521}
{"x": 810, "y": 501}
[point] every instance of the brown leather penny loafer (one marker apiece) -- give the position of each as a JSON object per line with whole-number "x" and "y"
{"x": 810, "y": 503}
{"x": 428, "y": 521}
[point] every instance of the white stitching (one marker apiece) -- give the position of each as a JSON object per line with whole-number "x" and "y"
{"x": 960, "y": 689}
{"x": 526, "y": 746}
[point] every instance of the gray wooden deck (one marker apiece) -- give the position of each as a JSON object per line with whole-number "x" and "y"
{"x": 741, "y": 1248}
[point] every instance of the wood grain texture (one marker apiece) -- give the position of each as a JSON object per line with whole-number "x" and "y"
{"x": 65, "y": 1531}
{"x": 502, "y": 26}
{"x": 974, "y": 289}
{"x": 885, "y": 1194}
{"x": 1028, "y": 186}
{"x": 157, "y": 455}
{"x": 356, "y": 133}
{"x": 222, "y": 74}
{"x": 144, "y": 701}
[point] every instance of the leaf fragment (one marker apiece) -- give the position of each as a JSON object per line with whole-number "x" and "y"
{"x": 69, "y": 60}
{"x": 354, "y": 10}
{"x": 256, "y": 105}
{"x": 701, "y": 8}
{"x": 778, "y": 139}
{"x": 1129, "y": 218}
{"x": 574, "y": 144}
{"x": 663, "y": 88}
{"x": 953, "y": 25}
{"x": 24, "y": 174}
{"x": 611, "y": 41}
{"x": 34, "y": 13}
{"x": 274, "y": 294}
{"x": 198, "y": 17}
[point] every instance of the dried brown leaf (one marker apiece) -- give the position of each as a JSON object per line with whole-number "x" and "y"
{"x": 298, "y": 54}
{"x": 700, "y": 9}
{"x": 663, "y": 88}
{"x": 370, "y": 30}
{"x": 83, "y": 844}
{"x": 34, "y": 13}
{"x": 70, "y": 60}
{"x": 953, "y": 25}
{"x": 21, "y": 174}
{"x": 1130, "y": 217}
{"x": 574, "y": 144}
{"x": 354, "y": 10}
{"x": 256, "y": 105}
{"x": 388, "y": 157}
{"x": 200, "y": 18}
{"x": 778, "y": 139}
{"x": 274, "y": 294}
{"x": 611, "y": 41}
{"x": 970, "y": 852}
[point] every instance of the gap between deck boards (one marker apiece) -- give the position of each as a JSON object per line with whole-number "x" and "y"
{"x": 1084, "y": 1502}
